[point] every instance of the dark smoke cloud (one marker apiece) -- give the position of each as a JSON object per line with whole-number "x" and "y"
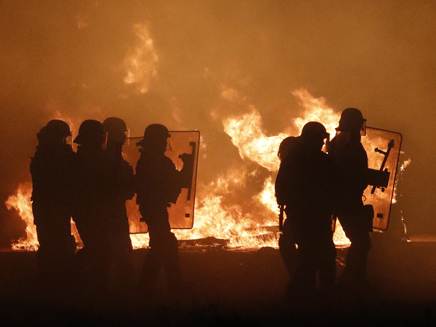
{"x": 68, "y": 56}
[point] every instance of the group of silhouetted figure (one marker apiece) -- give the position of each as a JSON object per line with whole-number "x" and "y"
{"x": 319, "y": 180}
{"x": 316, "y": 187}
{"x": 91, "y": 187}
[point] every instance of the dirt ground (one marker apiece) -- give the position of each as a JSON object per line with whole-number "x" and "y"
{"x": 233, "y": 288}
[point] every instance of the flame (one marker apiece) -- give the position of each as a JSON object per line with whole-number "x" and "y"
{"x": 141, "y": 62}
{"x": 267, "y": 195}
{"x": 315, "y": 110}
{"x": 21, "y": 202}
{"x": 238, "y": 207}
{"x": 247, "y": 135}
{"x": 219, "y": 215}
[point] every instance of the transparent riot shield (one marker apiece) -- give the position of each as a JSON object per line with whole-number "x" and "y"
{"x": 181, "y": 213}
{"x": 383, "y": 150}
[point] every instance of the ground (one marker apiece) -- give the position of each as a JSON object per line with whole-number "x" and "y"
{"x": 239, "y": 288}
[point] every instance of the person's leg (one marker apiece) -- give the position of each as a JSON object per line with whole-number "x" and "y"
{"x": 355, "y": 229}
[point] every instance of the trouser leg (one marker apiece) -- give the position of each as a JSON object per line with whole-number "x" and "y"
{"x": 287, "y": 248}
{"x": 355, "y": 270}
{"x": 327, "y": 266}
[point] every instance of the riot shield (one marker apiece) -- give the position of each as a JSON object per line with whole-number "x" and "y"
{"x": 181, "y": 213}
{"x": 383, "y": 150}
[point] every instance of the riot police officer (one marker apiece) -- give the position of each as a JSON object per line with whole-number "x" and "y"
{"x": 305, "y": 185}
{"x": 50, "y": 169}
{"x": 91, "y": 191}
{"x": 287, "y": 241}
{"x": 351, "y": 161}
{"x": 121, "y": 189}
{"x": 158, "y": 184}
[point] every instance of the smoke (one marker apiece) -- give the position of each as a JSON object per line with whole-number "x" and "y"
{"x": 70, "y": 57}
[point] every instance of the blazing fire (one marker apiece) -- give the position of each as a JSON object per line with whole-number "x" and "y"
{"x": 225, "y": 208}
{"x": 21, "y": 202}
{"x": 247, "y": 135}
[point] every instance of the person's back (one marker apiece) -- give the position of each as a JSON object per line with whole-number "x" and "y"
{"x": 158, "y": 181}
{"x": 50, "y": 169}
{"x": 287, "y": 241}
{"x": 90, "y": 178}
{"x": 304, "y": 184}
{"x": 158, "y": 184}
{"x": 120, "y": 174}
{"x": 120, "y": 189}
{"x": 351, "y": 162}
{"x": 90, "y": 192}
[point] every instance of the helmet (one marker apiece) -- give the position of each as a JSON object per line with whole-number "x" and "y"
{"x": 90, "y": 130}
{"x": 314, "y": 130}
{"x": 154, "y": 135}
{"x": 42, "y": 134}
{"x": 114, "y": 125}
{"x": 351, "y": 120}
{"x": 57, "y": 128}
{"x": 156, "y": 132}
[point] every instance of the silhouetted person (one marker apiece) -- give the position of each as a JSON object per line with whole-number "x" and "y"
{"x": 121, "y": 189}
{"x": 351, "y": 161}
{"x": 51, "y": 177}
{"x": 287, "y": 240}
{"x": 91, "y": 191}
{"x": 158, "y": 185}
{"x": 305, "y": 185}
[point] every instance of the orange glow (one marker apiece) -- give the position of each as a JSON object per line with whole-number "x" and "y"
{"x": 22, "y": 203}
{"x": 246, "y": 134}
{"x": 141, "y": 62}
{"x": 315, "y": 110}
{"x": 224, "y": 209}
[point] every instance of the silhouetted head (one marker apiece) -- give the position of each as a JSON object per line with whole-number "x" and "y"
{"x": 313, "y": 135}
{"x": 54, "y": 133}
{"x": 351, "y": 121}
{"x": 286, "y": 145}
{"x": 155, "y": 138}
{"x": 91, "y": 132}
{"x": 42, "y": 135}
{"x": 116, "y": 129}
{"x": 58, "y": 128}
